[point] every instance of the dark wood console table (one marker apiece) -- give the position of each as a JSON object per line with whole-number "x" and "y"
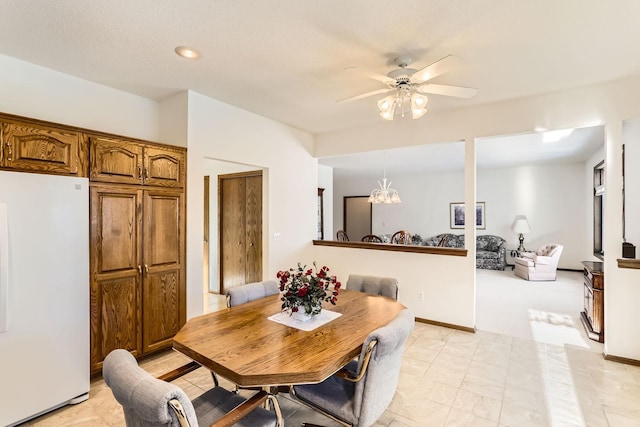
{"x": 593, "y": 315}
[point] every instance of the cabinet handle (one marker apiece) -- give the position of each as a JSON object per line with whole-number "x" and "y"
{"x": 251, "y": 244}
{"x": 140, "y": 173}
{"x": 146, "y": 269}
{"x": 139, "y": 269}
{"x": 146, "y": 173}
{"x": 9, "y": 152}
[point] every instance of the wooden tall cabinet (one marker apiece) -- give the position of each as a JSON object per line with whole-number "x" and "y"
{"x": 240, "y": 202}
{"x": 138, "y": 223}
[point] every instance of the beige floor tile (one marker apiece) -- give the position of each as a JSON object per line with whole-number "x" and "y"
{"x": 483, "y": 386}
{"x": 623, "y": 418}
{"x": 520, "y": 396}
{"x": 458, "y": 418}
{"x": 565, "y": 413}
{"x": 438, "y": 392}
{"x": 513, "y": 415}
{"x": 446, "y": 375}
{"x": 486, "y": 370}
{"x": 423, "y": 412}
{"x": 478, "y": 405}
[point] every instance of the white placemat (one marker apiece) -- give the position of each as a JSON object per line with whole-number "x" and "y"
{"x": 325, "y": 316}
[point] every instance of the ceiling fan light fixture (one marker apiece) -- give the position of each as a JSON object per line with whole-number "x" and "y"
{"x": 416, "y": 113}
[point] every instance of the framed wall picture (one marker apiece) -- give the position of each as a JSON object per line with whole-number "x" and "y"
{"x": 456, "y": 215}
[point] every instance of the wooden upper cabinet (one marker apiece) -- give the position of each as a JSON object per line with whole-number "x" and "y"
{"x": 128, "y": 162}
{"x": 38, "y": 148}
{"x": 164, "y": 167}
{"x": 115, "y": 161}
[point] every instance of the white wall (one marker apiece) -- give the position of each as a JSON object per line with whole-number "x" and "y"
{"x": 220, "y": 131}
{"x": 32, "y": 91}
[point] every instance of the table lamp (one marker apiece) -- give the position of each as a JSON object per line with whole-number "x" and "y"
{"x": 521, "y": 225}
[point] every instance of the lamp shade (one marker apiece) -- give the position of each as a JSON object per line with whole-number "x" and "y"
{"x": 521, "y": 225}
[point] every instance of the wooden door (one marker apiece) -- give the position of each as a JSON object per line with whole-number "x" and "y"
{"x": 253, "y": 228}
{"x": 240, "y": 210}
{"x": 116, "y": 260}
{"x": 163, "y": 283}
{"x": 232, "y": 232}
{"x": 164, "y": 167}
{"x": 28, "y": 147}
{"x": 116, "y": 161}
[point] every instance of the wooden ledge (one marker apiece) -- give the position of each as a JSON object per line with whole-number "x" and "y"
{"x": 628, "y": 263}
{"x": 393, "y": 248}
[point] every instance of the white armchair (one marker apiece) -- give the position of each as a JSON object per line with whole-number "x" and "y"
{"x": 539, "y": 265}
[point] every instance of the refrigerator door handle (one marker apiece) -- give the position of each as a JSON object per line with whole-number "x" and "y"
{"x": 4, "y": 268}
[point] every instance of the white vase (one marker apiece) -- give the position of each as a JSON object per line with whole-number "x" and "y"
{"x": 301, "y": 316}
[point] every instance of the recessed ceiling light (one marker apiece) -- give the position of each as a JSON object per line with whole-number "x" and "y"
{"x": 187, "y": 52}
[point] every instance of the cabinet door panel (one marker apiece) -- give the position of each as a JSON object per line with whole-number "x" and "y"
{"x": 115, "y": 161}
{"x": 162, "y": 228}
{"x": 232, "y": 232}
{"x": 253, "y": 270}
{"x": 164, "y": 293}
{"x": 115, "y": 317}
{"x": 161, "y": 308}
{"x": 115, "y": 253}
{"x": 33, "y": 148}
{"x": 117, "y": 228}
{"x": 164, "y": 167}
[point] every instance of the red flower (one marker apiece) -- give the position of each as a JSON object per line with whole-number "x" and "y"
{"x": 302, "y": 291}
{"x": 294, "y": 309}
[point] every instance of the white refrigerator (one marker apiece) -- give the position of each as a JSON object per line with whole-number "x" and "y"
{"x": 44, "y": 294}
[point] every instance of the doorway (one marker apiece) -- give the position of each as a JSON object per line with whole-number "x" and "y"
{"x": 357, "y": 217}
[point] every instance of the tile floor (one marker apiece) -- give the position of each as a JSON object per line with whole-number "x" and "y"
{"x": 448, "y": 378}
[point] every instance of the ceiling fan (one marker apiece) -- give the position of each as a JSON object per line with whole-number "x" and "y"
{"x": 407, "y": 87}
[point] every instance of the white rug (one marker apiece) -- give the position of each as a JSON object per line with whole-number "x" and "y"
{"x": 546, "y": 312}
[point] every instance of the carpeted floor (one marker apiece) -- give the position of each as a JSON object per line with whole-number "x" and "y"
{"x": 546, "y": 312}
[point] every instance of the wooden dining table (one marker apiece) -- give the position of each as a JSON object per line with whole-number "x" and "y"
{"x": 244, "y": 346}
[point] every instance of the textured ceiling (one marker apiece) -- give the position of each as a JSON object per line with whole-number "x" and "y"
{"x": 285, "y": 59}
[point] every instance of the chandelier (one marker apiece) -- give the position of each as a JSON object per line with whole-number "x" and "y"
{"x": 401, "y": 102}
{"x": 384, "y": 194}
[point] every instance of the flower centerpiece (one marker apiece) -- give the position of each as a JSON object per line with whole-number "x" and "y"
{"x": 303, "y": 290}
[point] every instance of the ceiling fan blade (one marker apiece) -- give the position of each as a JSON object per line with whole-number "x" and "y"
{"x": 446, "y": 90}
{"x": 371, "y": 75}
{"x": 366, "y": 94}
{"x": 442, "y": 66}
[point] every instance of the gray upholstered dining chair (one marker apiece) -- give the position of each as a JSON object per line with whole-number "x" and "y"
{"x": 251, "y": 291}
{"x": 358, "y": 394}
{"x": 386, "y": 286}
{"x": 149, "y": 401}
